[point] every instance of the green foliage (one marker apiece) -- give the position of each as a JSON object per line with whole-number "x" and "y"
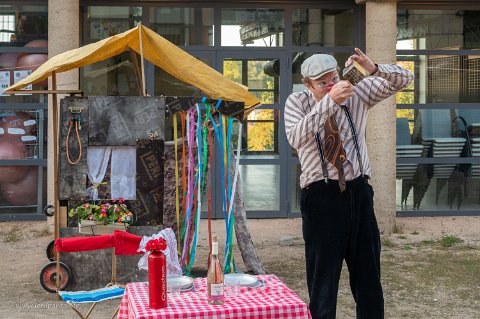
{"x": 407, "y": 96}
{"x": 251, "y": 73}
{"x": 449, "y": 241}
{"x": 261, "y": 134}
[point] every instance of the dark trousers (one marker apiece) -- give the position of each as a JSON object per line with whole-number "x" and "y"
{"x": 338, "y": 226}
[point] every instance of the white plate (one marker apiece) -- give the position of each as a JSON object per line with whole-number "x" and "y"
{"x": 245, "y": 280}
{"x": 184, "y": 282}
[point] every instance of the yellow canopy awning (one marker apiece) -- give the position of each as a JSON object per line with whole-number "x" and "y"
{"x": 158, "y": 51}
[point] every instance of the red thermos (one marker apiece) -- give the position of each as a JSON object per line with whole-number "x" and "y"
{"x": 157, "y": 279}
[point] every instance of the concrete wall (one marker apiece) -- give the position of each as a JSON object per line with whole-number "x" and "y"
{"x": 381, "y": 34}
{"x": 63, "y": 35}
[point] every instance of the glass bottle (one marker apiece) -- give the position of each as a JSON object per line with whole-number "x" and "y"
{"x": 215, "y": 287}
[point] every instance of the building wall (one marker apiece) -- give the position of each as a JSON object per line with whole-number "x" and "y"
{"x": 381, "y": 35}
{"x": 327, "y": 31}
{"x": 64, "y": 35}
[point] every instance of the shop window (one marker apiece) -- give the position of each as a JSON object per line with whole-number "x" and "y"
{"x": 184, "y": 26}
{"x": 261, "y": 187}
{"x": 261, "y": 132}
{"x": 441, "y": 79}
{"x": 438, "y": 29}
{"x": 256, "y": 76}
{"x": 7, "y": 25}
{"x": 322, "y": 27}
{"x": 119, "y": 75}
{"x": 449, "y": 139}
{"x": 100, "y": 22}
{"x": 21, "y": 24}
{"x": 253, "y": 27}
{"x": 22, "y": 139}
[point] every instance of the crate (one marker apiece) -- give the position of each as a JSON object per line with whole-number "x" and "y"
{"x": 92, "y": 227}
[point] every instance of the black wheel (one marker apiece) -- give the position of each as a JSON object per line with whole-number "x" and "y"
{"x": 51, "y": 251}
{"x": 48, "y": 211}
{"x": 48, "y": 277}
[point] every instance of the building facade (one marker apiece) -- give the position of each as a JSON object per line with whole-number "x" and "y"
{"x": 422, "y": 143}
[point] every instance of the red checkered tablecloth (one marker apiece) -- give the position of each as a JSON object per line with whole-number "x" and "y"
{"x": 274, "y": 300}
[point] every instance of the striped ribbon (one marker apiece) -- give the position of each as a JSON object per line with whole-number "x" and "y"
{"x": 196, "y": 126}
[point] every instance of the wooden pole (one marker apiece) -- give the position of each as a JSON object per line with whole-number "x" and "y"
{"x": 142, "y": 60}
{"x": 56, "y": 206}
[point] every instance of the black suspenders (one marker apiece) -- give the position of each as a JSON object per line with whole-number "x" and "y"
{"x": 355, "y": 141}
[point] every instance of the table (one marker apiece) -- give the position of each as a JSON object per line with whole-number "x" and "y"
{"x": 273, "y": 300}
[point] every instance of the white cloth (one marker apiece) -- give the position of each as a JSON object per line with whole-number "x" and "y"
{"x": 173, "y": 266}
{"x": 97, "y": 163}
{"x": 124, "y": 171}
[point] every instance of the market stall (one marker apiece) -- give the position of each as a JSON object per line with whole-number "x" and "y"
{"x": 124, "y": 137}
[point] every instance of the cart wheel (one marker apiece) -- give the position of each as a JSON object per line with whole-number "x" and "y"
{"x": 49, "y": 210}
{"x": 51, "y": 251}
{"x": 48, "y": 277}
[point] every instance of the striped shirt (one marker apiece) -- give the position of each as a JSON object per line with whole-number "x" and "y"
{"x": 304, "y": 117}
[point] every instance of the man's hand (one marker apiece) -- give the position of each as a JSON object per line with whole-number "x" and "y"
{"x": 363, "y": 60}
{"x": 341, "y": 92}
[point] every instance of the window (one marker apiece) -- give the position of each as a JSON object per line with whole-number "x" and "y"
{"x": 438, "y": 156}
{"x": 7, "y": 27}
{"x": 23, "y": 159}
{"x": 184, "y": 26}
{"x": 253, "y": 27}
{"x": 322, "y": 27}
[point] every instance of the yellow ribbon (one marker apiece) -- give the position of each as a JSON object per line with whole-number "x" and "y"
{"x": 95, "y": 186}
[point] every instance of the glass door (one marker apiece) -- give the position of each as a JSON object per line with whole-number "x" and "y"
{"x": 262, "y": 149}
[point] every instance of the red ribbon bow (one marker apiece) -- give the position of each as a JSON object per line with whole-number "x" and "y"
{"x": 156, "y": 245}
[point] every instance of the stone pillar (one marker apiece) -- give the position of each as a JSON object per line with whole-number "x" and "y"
{"x": 63, "y": 35}
{"x": 381, "y": 33}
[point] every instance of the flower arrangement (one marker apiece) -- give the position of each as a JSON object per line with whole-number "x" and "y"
{"x": 115, "y": 212}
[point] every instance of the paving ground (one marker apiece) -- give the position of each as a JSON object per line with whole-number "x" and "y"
{"x": 430, "y": 268}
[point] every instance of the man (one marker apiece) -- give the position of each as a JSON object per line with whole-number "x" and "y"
{"x": 338, "y": 220}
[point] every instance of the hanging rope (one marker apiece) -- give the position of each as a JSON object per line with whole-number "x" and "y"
{"x": 75, "y": 120}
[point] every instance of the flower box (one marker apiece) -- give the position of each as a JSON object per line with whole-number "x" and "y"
{"x": 93, "y": 227}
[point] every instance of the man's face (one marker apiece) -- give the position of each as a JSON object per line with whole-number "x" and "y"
{"x": 321, "y": 86}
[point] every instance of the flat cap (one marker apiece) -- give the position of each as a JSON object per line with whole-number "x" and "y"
{"x": 318, "y": 65}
